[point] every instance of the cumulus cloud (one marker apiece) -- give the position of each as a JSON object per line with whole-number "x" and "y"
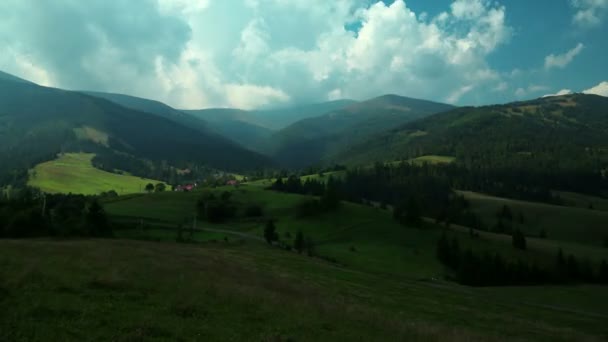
{"x": 600, "y": 89}
{"x": 251, "y": 53}
{"x": 562, "y": 60}
{"x": 560, "y": 93}
{"x": 589, "y": 13}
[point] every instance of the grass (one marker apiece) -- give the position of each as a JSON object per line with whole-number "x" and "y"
{"x": 129, "y": 290}
{"x": 74, "y": 173}
{"x": 433, "y": 159}
{"x": 562, "y": 223}
{"x": 384, "y": 285}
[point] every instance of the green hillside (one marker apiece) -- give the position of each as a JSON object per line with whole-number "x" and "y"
{"x": 555, "y": 132}
{"x": 314, "y": 140}
{"x": 254, "y": 129}
{"x": 74, "y": 173}
{"x": 123, "y": 290}
{"x": 155, "y": 107}
{"x": 37, "y": 123}
{"x": 562, "y": 223}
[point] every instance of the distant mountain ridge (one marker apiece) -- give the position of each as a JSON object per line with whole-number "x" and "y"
{"x": 569, "y": 131}
{"x": 38, "y": 122}
{"x": 314, "y": 140}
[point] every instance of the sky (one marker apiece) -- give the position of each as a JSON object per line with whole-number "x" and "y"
{"x": 261, "y": 53}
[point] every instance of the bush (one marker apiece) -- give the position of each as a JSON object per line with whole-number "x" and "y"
{"x": 254, "y": 210}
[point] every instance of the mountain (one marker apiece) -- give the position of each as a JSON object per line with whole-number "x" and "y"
{"x": 255, "y": 129}
{"x": 153, "y": 107}
{"x": 313, "y": 140}
{"x": 8, "y": 77}
{"x": 277, "y": 119}
{"x": 38, "y": 122}
{"x": 237, "y": 125}
{"x": 568, "y": 131}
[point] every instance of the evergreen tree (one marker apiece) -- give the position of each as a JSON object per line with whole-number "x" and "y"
{"x": 331, "y": 198}
{"x": 270, "y": 233}
{"x": 149, "y": 187}
{"x": 603, "y": 272}
{"x": 310, "y": 247}
{"x": 298, "y": 243}
{"x": 97, "y": 221}
{"x": 412, "y": 214}
{"x": 519, "y": 239}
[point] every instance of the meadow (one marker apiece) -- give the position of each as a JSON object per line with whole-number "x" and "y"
{"x": 563, "y": 223}
{"x": 370, "y": 279}
{"x": 74, "y": 173}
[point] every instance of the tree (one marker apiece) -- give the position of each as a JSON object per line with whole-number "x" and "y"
{"x": 331, "y": 198}
{"x": 298, "y": 243}
{"x": 310, "y": 247}
{"x": 519, "y": 239}
{"x": 412, "y": 214}
{"x": 149, "y": 187}
{"x": 603, "y": 273}
{"x": 97, "y": 221}
{"x": 270, "y": 233}
{"x": 160, "y": 187}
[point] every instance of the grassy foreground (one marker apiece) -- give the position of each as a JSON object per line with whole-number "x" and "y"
{"x": 74, "y": 173}
{"x": 129, "y": 290}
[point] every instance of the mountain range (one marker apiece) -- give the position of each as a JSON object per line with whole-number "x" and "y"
{"x": 38, "y": 122}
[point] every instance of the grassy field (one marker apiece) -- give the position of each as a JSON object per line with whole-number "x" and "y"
{"x": 383, "y": 282}
{"x": 74, "y": 173}
{"x": 129, "y": 290}
{"x": 432, "y": 159}
{"x": 562, "y": 223}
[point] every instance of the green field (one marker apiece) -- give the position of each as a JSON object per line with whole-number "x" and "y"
{"x": 128, "y": 290}
{"x": 74, "y": 173}
{"x": 372, "y": 280}
{"x": 562, "y": 223}
{"x": 433, "y": 159}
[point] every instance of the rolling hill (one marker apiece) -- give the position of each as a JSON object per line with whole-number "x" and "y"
{"x": 556, "y": 132}
{"x": 313, "y": 140}
{"x": 156, "y": 108}
{"x": 255, "y": 128}
{"x": 38, "y": 122}
{"x": 74, "y": 173}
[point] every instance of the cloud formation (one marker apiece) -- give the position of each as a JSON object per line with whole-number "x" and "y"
{"x": 589, "y": 13}
{"x": 600, "y": 89}
{"x": 560, "y": 93}
{"x": 252, "y": 53}
{"x": 561, "y": 61}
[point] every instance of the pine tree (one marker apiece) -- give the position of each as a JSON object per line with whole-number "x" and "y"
{"x": 298, "y": 242}
{"x": 97, "y": 220}
{"x": 519, "y": 239}
{"x": 270, "y": 233}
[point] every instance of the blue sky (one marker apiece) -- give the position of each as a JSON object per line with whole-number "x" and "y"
{"x": 256, "y": 53}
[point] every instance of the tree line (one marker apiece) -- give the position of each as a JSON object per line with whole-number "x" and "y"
{"x": 491, "y": 269}
{"x": 33, "y": 214}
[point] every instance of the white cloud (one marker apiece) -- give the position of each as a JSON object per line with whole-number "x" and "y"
{"x": 560, "y": 93}
{"x": 529, "y": 90}
{"x": 589, "y": 13}
{"x": 500, "y": 87}
{"x": 250, "y": 53}
{"x": 561, "y": 61}
{"x": 600, "y": 89}
{"x": 456, "y": 95}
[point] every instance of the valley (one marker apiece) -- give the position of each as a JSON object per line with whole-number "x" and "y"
{"x": 391, "y": 218}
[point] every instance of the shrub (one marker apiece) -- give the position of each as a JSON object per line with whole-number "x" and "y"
{"x": 254, "y": 210}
